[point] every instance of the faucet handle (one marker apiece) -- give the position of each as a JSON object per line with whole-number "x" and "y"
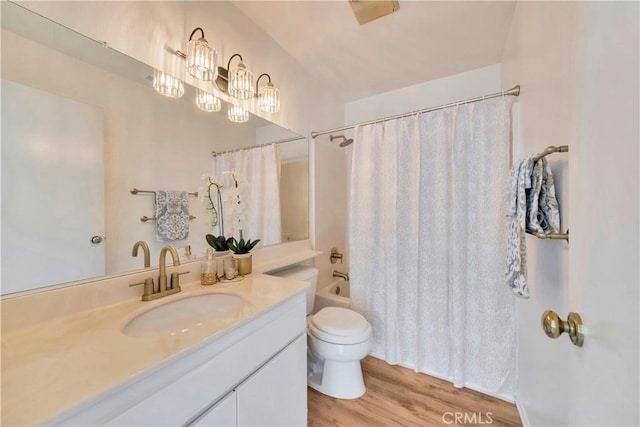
{"x": 175, "y": 279}
{"x": 148, "y": 287}
{"x": 335, "y": 256}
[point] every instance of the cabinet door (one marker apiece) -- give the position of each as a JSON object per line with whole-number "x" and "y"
{"x": 276, "y": 395}
{"x": 224, "y": 413}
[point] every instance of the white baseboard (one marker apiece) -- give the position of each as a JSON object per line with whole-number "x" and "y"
{"x": 523, "y": 413}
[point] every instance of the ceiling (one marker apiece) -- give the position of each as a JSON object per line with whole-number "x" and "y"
{"x": 422, "y": 41}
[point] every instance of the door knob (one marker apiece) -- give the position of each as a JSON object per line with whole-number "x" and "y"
{"x": 554, "y": 326}
{"x": 96, "y": 239}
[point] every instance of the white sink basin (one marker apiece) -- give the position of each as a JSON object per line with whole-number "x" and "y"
{"x": 182, "y": 315}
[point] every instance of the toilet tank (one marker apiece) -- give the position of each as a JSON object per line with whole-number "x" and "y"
{"x": 305, "y": 274}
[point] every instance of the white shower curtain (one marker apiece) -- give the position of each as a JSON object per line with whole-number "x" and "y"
{"x": 258, "y": 214}
{"x": 426, "y": 242}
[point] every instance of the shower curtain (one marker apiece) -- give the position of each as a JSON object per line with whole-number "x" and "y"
{"x": 426, "y": 242}
{"x": 257, "y": 214}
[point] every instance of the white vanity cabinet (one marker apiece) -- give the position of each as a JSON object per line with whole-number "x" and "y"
{"x": 253, "y": 373}
{"x": 273, "y": 396}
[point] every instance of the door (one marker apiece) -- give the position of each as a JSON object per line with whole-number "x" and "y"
{"x": 604, "y": 193}
{"x": 276, "y": 395}
{"x": 52, "y": 188}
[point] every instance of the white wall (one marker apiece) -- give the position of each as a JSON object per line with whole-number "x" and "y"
{"x": 577, "y": 63}
{"x": 152, "y": 31}
{"x": 330, "y": 207}
{"x": 294, "y": 198}
{"x": 457, "y": 87}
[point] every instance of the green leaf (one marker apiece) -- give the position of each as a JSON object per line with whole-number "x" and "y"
{"x": 243, "y": 246}
{"x": 251, "y": 245}
{"x": 219, "y": 243}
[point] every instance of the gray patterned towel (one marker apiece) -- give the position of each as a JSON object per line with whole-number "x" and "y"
{"x": 532, "y": 206}
{"x": 172, "y": 215}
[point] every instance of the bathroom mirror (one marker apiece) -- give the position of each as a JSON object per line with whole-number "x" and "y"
{"x": 81, "y": 126}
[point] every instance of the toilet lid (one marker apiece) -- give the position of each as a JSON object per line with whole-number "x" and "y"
{"x": 340, "y": 321}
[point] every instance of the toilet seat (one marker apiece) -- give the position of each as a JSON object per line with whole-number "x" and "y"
{"x": 339, "y": 326}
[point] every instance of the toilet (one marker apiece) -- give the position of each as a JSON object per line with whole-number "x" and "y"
{"x": 337, "y": 340}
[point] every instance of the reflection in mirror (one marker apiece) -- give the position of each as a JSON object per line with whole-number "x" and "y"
{"x": 81, "y": 126}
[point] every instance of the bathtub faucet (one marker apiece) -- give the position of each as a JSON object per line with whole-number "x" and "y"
{"x": 344, "y": 276}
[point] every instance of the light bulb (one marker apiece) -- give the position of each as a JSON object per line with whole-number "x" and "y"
{"x": 237, "y": 114}
{"x": 269, "y": 98}
{"x": 240, "y": 82}
{"x": 167, "y": 85}
{"x": 207, "y": 101}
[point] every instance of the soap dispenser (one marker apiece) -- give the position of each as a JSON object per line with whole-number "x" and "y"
{"x": 209, "y": 270}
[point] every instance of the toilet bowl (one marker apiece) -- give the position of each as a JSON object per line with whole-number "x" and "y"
{"x": 337, "y": 340}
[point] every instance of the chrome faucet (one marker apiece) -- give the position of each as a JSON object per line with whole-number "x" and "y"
{"x": 150, "y": 292}
{"x": 145, "y": 248}
{"x": 344, "y": 276}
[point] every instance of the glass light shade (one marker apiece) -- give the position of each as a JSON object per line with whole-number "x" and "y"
{"x": 269, "y": 98}
{"x": 202, "y": 60}
{"x": 240, "y": 82}
{"x": 167, "y": 85}
{"x": 237, "y": 114}
{"x": 207, "y": 101}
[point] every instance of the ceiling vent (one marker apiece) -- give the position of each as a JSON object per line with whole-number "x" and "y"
{"x": 368, "y": 10}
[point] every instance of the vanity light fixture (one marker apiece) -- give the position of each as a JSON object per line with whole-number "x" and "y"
{"x": 167, "y": 85}
{"x": 202, "y": 58}
{"x": 207, "y": 101}
{"x": 268, "y": 96}
{"x": 237, "y": 114}
{"x": 236, "y": 81}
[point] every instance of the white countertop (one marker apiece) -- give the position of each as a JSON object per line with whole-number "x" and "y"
{"x": 51, "y": 366}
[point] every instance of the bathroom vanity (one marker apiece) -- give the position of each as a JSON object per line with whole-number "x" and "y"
{"x": 244, "y": 366}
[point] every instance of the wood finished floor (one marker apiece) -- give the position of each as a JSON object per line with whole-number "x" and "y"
{"x": 398, "y": 396}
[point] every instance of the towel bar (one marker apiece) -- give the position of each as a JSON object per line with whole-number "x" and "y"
{"x": 551, "y": 149}
{"x": 136, "y": 191}
{"x": 553, "y": 236}
{"x": 153, "y": 218}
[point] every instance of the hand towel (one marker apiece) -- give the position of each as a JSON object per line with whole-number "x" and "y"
{"x": 172, "y": 215}
{"x": 532, "y": 206}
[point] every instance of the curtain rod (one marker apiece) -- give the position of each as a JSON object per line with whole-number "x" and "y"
{"x": 280, "y": 141}
{"x": 514, "y": 91}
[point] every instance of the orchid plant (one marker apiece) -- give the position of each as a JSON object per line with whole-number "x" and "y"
{"x": 236, "y": 203}
{"x": 211, "y": 197}
{"x": 216, "y": 196}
